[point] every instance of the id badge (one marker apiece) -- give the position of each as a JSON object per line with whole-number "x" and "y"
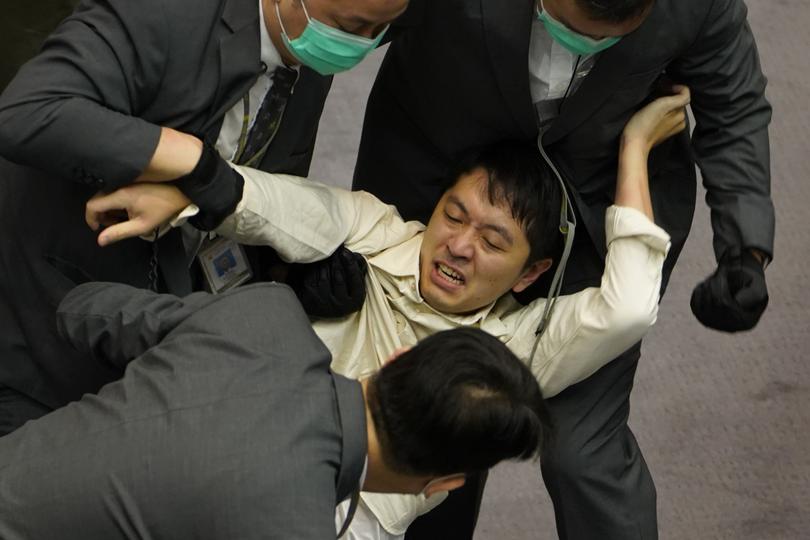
{"x": 224, "y": 264}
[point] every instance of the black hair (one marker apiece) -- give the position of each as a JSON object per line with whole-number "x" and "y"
{"x": 614, "y": 11}
{"x": 459, "y": 401}
{"x": 518, "y": 177}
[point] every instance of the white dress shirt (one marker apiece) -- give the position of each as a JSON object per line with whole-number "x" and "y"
{"x": 554, "y": 72}
{"x": 306, "y": 221}
{"x": 229, "y": 133}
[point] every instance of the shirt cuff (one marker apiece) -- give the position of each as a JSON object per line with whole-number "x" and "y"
{"x": 178, "y": 221}
{"x": 624, "y": 222}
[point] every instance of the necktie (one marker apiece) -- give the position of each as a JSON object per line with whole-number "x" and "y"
{"x": 268, "y": 118}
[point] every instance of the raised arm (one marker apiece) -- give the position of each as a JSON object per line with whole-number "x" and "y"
{"x": 84, "y": 108}
{"x": 73, "y": 110}
{"x": 591, "y": 327}
{"x": 116, "y": 323}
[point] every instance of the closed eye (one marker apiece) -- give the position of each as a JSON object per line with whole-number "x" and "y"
{"x": 451, "y": 219}
{"x": 491, "y": 245}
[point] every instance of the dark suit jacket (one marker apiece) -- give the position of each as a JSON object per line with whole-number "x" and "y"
{"x": 456, "y": 76}
{"x": 85, "y": 115}
{"x": 227, "y": 424}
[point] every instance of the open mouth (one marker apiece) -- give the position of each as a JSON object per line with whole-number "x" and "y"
{"x": 449, "y": 275}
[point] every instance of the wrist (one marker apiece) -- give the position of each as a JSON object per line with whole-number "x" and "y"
{"x": 634, "y": 147}
{"x": 176, "y": 155}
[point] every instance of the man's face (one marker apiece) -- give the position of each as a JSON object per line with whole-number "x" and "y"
{"x": 575, "y": 18}
{"x": 473, "y": 252}
{"x": 365, "y": 18}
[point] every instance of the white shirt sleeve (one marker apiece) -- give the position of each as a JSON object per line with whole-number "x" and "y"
{"x": 306, "y": 221}
{"x": 593, "y": 326}
{"x": 364, "y": 525}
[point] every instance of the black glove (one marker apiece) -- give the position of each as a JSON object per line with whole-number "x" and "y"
{"x": 333, "y": 287}
{"x": 734, "y": 297}
{"x": 214, "y": 186}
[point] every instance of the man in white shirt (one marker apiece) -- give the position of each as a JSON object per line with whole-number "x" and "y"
{"x": 490, "y": 234}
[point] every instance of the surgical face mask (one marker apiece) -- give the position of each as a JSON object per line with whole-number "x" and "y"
{"x": 573, "y": 41}
{"x": 325, "y": 49}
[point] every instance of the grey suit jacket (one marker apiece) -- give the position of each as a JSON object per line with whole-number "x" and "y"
{"x": 85, "y": 115}
{"x": 456, "y": 76}
{"x": 227, "y": 424}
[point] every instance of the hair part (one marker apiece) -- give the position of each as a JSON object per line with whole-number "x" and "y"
{"x": 519, "y": 178}
{"x": 459, "y": 401}
{"x": 614, "y": 11}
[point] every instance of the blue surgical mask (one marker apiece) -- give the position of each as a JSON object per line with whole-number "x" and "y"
{"x": 325, "y": 49}
{"x": 573, "y": 41}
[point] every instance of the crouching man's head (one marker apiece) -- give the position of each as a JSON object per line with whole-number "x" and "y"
{"x": 494, "y": 230}
{"x": 456, "y": 403}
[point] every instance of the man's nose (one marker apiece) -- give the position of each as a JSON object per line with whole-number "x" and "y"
{"x": 461, "y": 245}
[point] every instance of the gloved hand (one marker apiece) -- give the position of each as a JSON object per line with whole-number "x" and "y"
{"x": 734, "y": 297}
{"x": 333, "y": 287}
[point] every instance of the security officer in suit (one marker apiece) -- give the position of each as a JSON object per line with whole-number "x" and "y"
{"x": 151, "y": 91}
{"x": 229, "y": 423}
{"x": 463, "y": 73}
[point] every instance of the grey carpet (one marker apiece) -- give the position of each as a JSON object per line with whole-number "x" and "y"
{"x": 723, "y": 420}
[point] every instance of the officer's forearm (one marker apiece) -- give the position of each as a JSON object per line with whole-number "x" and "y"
{"x": 176, "y": 155}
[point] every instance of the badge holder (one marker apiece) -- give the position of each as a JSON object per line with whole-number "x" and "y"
{"x": 224, "y": 264}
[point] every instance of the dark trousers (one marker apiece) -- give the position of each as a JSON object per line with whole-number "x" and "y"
{"x": 595, "y": 473}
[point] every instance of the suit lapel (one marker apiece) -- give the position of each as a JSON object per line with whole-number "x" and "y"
{"x": 507, "y": 28}
{"x": 610, "y": 69}
{"x": 352, "y": 413}
{"x": 239, "y": 56}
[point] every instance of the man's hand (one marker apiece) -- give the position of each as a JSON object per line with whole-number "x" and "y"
{"x": 133, "y": 210}
{"x": 333, "y": 287}
{"x": 659, "y": 120}
{"x": 734, "y": 297}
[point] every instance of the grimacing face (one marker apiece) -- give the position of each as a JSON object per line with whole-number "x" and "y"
{"x": 473, "y": 252}
{"x": 575, "y": 18}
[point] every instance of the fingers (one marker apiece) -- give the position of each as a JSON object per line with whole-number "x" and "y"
{"x": 676, "y": 101}
{"x": 126, "y": 229}
{"x": 100, "y": 204}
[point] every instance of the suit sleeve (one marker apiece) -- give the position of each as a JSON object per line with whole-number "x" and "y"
{"x": 116, "y": 323}
{"x": 590, "y": 328}
{"x": 731, "y": 132}
{"x": 73, "y": 109}
{"x": 305, "y": 221}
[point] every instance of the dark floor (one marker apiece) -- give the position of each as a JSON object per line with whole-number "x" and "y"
{"x": 723, "y": 420}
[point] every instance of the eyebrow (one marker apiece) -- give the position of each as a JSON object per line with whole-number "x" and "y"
{"x": 452, "y": 199}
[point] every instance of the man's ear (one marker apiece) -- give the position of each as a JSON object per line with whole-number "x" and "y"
{"x": 445, "y": 483}
{"x": 531, "y": 273}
